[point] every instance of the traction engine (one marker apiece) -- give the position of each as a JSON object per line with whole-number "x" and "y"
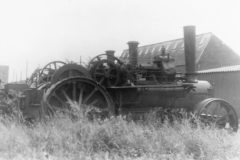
{"x": 115, "y": 86}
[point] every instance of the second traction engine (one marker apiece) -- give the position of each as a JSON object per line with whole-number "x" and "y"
{"x": 138, "y": 88}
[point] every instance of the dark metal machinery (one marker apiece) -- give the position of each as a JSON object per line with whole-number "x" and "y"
{"x": 116, "y": 87}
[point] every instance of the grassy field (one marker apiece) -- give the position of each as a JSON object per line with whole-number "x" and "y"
{"x": 115, "y": 138}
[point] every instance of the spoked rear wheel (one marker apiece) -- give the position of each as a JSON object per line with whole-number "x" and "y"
{"x": 81, "y": 94}
{"x": 69, "y": 70}
{"x": 218, "y": 112}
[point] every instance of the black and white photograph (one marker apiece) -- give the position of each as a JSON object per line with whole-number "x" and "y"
{"x": 119, "y": 79}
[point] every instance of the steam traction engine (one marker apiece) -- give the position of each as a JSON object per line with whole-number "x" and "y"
{"x": 122, "y": 87}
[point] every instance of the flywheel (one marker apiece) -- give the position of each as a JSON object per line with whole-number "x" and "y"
{"x": 106, "y": 70}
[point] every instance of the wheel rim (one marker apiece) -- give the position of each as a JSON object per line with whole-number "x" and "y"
{"x": 33, "y": 80}
{"x": 102, "y": 57}
{"x": 69, "y": 70}
{"x": 81, "y": 92}
{"x": 218, "y": 112}
{"x": 48, "y": 71}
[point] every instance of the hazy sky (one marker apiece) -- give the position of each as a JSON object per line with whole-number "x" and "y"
{"x": 40, "y": 31}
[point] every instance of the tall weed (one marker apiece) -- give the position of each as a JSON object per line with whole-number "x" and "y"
{"x": 118, "y": 137}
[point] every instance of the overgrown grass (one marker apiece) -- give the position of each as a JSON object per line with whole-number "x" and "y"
{"x": 115, "y": 138}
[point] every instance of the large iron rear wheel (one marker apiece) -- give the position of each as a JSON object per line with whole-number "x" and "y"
{"x": 218, "y": 112}
{"x": 79, "y": 92}
{"x": 69, "y": 70}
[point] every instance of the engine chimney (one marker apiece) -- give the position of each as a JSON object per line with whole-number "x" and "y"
{"x": 190, "y": 49}
{"x": 133, "y": 53}
{"x": 110, "y": 55}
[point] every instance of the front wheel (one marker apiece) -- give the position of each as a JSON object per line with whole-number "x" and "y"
{"x": 218, "y": 112}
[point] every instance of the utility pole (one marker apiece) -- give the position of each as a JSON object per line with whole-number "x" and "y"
{"x": 13, "y": 76}
{"x": 26, "y": 69}
{"x": 21, "y": 76}
{"x": 16, "y": 77}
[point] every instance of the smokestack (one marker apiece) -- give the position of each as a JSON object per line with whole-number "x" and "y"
{"x": 110, "y": 55}
{"x": 133, "y": 53}
{"x": 190, "y": 49}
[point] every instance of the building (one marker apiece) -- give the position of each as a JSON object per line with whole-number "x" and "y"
{"x": 211, "y": 52}
{"x": 4, "y": 72}
{"x": 225, "y": 81}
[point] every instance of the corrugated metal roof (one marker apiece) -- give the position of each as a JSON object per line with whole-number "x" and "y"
{"x": 234, "y": 68}
{"x": 174, "y": 47}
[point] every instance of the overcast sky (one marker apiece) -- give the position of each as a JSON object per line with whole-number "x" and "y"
{"x": 39, "y": 31}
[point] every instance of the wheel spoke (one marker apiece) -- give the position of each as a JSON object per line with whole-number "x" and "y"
{"x": 80, "y": 99}
{"x": 99, "y": 73}
{"x": 49, "y": 110}
{"x": 65, "y": 95}
{"x": 74, "y": 89}
{"x": 94, "y": 102}
{"x": 59, "y": 99}
{"x": 101, "y": 80}
{"x": 217, "y": 108}
{"x": 90, "y": 95}
{"x": 55, "y": 66}
{"x": 48, "y": 68}
{"x": 221, "y": 118}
